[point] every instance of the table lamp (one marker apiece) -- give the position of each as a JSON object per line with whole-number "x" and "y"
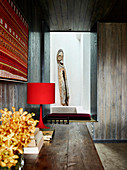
{"x": 41, "y": 93}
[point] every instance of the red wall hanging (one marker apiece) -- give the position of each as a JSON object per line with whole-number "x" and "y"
{"x": 13, "y": 42}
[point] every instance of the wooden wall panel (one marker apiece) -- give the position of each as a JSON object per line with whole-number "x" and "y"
{"x": 108, "y": 79}
{"x": 12, "y": 94}
{"x": 16, "y": 95}
{"x": 46, "y": 72}
{"x": 70, "y": 12}
{"x": 118, "y": 83}
{"x": 111, "y": 82}
{"x": 81, "y": 15}
{"x": 93, "y": 77}
{"x": 124, "y": 81}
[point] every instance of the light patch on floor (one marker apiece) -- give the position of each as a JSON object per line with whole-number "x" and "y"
{"x": 113, "y": 155}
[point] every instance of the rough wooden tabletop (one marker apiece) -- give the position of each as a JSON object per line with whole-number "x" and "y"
{"x": 72, "y": 148}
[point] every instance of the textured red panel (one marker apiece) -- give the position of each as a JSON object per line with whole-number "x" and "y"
{"x": 13, "y": 42}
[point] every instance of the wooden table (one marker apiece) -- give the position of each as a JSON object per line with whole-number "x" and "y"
{"x": 72, "y": 148}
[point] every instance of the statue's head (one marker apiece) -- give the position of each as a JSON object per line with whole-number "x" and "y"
{"x": 60, "y": 55}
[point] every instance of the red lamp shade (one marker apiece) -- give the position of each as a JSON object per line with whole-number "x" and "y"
{"x": 41, "y": 93}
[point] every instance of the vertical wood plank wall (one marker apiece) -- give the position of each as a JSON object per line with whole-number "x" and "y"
{"x": 111, "y": 82}
{"x": 93, "y": 77}
{"x": 15, "y": 94}
{"x": 46, "y": 64}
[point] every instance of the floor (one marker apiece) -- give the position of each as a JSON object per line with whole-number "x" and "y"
{"x": 113, "y": 155}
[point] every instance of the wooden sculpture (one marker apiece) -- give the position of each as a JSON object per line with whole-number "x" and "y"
{"x": 62, "y": 76}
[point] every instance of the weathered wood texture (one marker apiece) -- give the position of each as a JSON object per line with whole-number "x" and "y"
{"x": 15, "y": 94}
{"x": 93, "y": 77}
{"x": 72, "y": 149}
{"x": 81, "y": 15}
{"x": 111, "y": 82}
{"x": 46, "y": 65}
{"x": 11, "y": 94}
{"x": 46, "y": 62}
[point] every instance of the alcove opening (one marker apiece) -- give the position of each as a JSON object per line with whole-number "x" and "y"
{"x": 77, "y": 62}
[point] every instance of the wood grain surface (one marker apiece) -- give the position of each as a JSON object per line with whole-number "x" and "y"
{"x": 72, "y": 148}
{"x": 80, "y": 15}
{"x": 111, "y": 82}
{"x": 93, "y": 76}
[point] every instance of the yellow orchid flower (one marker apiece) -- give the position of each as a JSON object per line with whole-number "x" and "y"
{"x": 15, "y": 132}
{"x": 5, "y": 109}
{"x": 21, "y": 110}
{"x": 13, "y": 108}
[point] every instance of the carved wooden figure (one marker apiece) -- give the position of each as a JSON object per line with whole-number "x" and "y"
{"x": 62, "y": 76}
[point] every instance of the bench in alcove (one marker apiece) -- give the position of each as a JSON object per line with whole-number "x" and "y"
{"x": 67, "y": 113}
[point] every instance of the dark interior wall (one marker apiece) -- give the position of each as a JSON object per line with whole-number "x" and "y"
{"x": 46, "y": 54}
{"x": 15, "y": 94}
{"x": 93, "y": 77}
{"x": 46, "y": 61}
{"x": 111, "y": 82}
{"x": 47, "y": 57}
{"x": 12, "y": 94}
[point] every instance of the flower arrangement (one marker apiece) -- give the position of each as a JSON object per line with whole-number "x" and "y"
{"x": 15, "y": 131}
